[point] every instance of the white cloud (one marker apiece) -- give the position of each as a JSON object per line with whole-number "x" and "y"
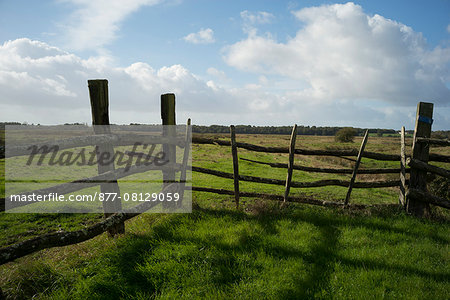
{"x": 24, "y": 66}
{"x": 220, "y": 75}
{"x": 251, "y": 20}
{"x": 204, "y": 36}
{"x": 344, "y": 54}
{"x": 448, "y": 28}
{"x": 95, "y": 23}
{"x": 261, "y": 17}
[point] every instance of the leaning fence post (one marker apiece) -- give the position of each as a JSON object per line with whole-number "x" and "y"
{"x": 420, "y": 151}
{"x": 98, "y": 93}
{"x": 168, "y": 118}
{"x": 402, "y": 197}
{"x": 235, "y": 165}
{"x": 355, "y": 170}
{"x": 290, "y": 163}
{"x": 187, "y": 146}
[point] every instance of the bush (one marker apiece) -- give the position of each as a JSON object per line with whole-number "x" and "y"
{"x": 439, "y": 186}
{"x": 345, "y": 135}
{"x": 379, "y": 133}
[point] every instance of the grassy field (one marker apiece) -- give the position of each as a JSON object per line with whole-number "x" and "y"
{"x": 261, "y": 251}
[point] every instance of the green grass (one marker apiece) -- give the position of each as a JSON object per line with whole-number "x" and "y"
{"x": 291, "y": 253}
{"x": 260, "y": 251}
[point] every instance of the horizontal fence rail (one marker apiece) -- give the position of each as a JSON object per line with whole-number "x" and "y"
{"x": 328, "y": 170}
{"x": 427, "y": 197}
{"x": 415, "y": 163}
{"x": 296, "y": 199}
{"x": 59, "y": 239}
{"x": 319, "y": 183}
{"x": 438, "y": 142}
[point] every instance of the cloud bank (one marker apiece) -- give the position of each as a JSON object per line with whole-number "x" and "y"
{"x": 44, "y": 84}
{"x": 341, "y": 53}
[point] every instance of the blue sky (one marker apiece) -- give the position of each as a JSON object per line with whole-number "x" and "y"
{"x": 323, "y": 63}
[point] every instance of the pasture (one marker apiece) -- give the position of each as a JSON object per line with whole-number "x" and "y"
{"x": 261, "y": 250}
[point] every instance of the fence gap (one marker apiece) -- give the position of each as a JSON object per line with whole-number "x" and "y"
{"x": 187, "y": 146}
{"x": 168, "y": 118}
{"x": 235, "y": 165}
{"x": 355, "y": 170}
{"x": 98, "y": 93}
{"x": 420, "y": 151}
{"x": 402, "y": 195}
{"x": 290, "y": 162}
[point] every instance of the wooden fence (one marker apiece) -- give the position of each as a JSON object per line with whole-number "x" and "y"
{"x": 104, "y": 141}
{"x": 290, "y": 166}
{"x": 410, "y": 192}
{"x": 114, "y": 223}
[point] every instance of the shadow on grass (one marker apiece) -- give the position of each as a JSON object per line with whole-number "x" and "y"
{"x": 137, "y": 266}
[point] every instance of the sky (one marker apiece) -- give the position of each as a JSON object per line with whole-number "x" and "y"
{"x": 319, "y": 63}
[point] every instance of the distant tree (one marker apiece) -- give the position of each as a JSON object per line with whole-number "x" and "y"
{"x": 301, "y": 130}
{"x": 345, "y": 135}
{"x": 440, "y": 134}
{"x": 380, "y": 133}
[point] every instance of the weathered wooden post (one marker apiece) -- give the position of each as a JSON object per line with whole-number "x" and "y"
{"x": 402, "y": 195}
{"x": 290, "y": 163}
{"x": 235, "y": 165}
{"x": 168, "y": 118}
{"x": 187, "y": 146}
{"x": 355, "y": 170}
{"x": 98, "y": 93}
{"x": 420, "y": 151}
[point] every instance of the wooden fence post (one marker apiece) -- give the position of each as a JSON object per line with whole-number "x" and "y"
{"x": 402, "y": 195}
{"x": 98, "y": 93}
{"x": 235, "y": 165}
{"x": 290, "y": 162}
{"x": 187, "y": 145}
{"x": 420, "y": 151}
{"x": 355, "y": 170}
{"x": 168, "y": 118}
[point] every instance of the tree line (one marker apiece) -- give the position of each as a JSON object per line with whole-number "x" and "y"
{"x": 301, "y": 130}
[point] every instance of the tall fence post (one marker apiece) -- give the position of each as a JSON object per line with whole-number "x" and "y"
{"x": 420, "y": 151}
{"x": 98, "y": 93}
{"x": 355, "y": 170}
{"x": 235, "y": 165}
{"x": 187, "y": 146}
{"x": 402, "y": 195}
{"x": 290, "y": 162}
{"x": 168, "y": 118}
